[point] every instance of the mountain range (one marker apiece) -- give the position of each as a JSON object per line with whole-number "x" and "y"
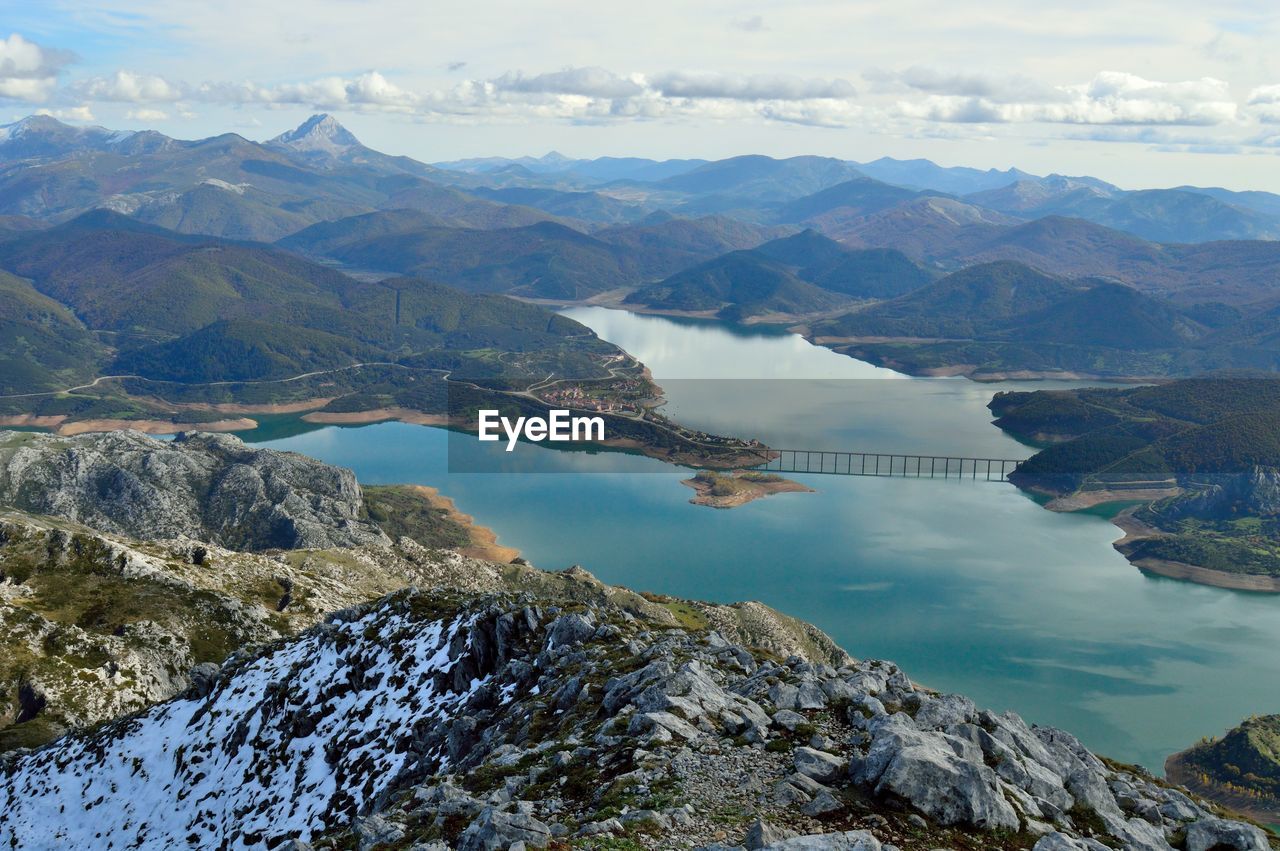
{"x": 749, "y": 237}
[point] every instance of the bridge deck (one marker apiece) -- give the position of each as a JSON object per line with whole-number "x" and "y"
{"x": 881, "y": 464}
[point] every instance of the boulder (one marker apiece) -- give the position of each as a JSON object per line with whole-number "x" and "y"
{"x": 762, "y": 834}
{"x": 924, "y": 770}
{"x": 788, "y": 720}
{"x": 570, "y": 629}
{"x": 819, "y": 765}
{"x": 493, "y": 830}
{"x": 1215, "y": 834}
{"x": 851, "y": 840}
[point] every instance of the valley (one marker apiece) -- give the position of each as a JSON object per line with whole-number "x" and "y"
{"x": 312, "y": 575}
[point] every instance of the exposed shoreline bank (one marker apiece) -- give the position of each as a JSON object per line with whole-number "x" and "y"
{"x": 483, "y": 540}
{"x": 1135, "y": 530}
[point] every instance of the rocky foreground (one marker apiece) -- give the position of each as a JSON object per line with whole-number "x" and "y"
{"x": 487, "y": 706}
{"x": 210, "y": 487}
{"x": 439, "y": 719}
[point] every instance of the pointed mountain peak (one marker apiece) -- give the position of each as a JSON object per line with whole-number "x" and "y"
{"x": 321, "y": 131}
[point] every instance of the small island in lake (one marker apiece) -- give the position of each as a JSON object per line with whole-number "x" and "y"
{"x": 729, "y": 490}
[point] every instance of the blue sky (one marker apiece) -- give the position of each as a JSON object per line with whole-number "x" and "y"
{"x": 1140, "y": 93}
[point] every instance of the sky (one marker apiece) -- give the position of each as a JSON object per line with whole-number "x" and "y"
{"x": 1140, "y": 93}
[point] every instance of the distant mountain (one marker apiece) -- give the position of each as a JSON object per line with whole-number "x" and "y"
{"x": 802, "y": 273}
{"x": 586, "y": 206}
{"x": 805, "y": 249}
{"x": 322, "y": 142}
{"x": 973, "y": 301}
{"x": 1160, "y": 215}
{"x": 1004, "y": 318}
{"x": 860, "y": 196}
{"x": 924, "y": 174}
{"x": 225, "y": 185}
{"x": 120, "y": 275}
{"x": 1042, "y": 195}
{"x": 595, "y": 171}
{"x": 930, "y": 228}
{"x": 545, "y": 260}
{"x": 738, "y": 285}
{"x": 665, "y": 244}
{"x": 757, "y": 179}
{"x": 324, "y": 237}
{"x": 871, "y": 273}
{"x": 1267, "y": 203}
{"x": 45, "y": 137}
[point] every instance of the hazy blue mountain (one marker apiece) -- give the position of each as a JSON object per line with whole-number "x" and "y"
{"x": 42, "y": 137}
{"x": 925, "y": 174}
{"x": 556, "y": 165}
{"x": 760, "y": 178}
{"x": 225, "y": 185}
{"x": 1267, "y": 203}
{"x": 1160, "y": 215}
{"x": 587, "y": 206}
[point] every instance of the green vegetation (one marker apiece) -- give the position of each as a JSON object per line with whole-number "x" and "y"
{"x": 799, "y": 274}
{"x": 737, "y": 285}
{"x": 402, "y": 512}
{"x": 195, "y": 322}
{"x": 1241, "y": 767}
{"x": 1216, "y": 439}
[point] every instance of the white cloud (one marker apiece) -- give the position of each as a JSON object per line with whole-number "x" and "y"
{"x": 592, "y": 82}
{"x": 1112, "y": 97}
{"x": 128, "y": 87}
{"x": 1264, "y": 104}
{"x": 70, "y": 113}
{"x": 28, "y": 71}
{"x": 1008, "y": 89}
{"x": 749, "y": 87}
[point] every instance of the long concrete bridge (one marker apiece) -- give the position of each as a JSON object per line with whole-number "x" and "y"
{"x": 881, "y": 464}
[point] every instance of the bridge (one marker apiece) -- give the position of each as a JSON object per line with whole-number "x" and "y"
{"x": 878, "y": 464}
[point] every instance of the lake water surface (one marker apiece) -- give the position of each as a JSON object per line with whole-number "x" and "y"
{"x": 969, "y": 585}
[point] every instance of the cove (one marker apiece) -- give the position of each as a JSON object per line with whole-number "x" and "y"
{"x": 970, "y": 586}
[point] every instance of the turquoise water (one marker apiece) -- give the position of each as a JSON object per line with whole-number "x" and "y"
{"x": 970, "y": 586}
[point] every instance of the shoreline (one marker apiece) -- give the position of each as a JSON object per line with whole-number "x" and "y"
{"x": 484, "y": 541}
{"x": 152, "y": 426}
{"x": 1175, "y": 771}
{"x": 1135, "y": 530}
{"x": 376, "y": 415}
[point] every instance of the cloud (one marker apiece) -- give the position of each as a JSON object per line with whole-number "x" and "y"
{"x": 28, "y": 71}
{"x": 71, "y": 113}
{"x": 1008, "y": 89}
{"x": 591, "y": 82}
{"x": 1264, "y": 104}
{"x": 455, "y": 66}
{"x": 753, "y": 24}
{"x": 128, "y": 87}
{"x": 1111, "y": 97}
{"x": 749, "y": 87}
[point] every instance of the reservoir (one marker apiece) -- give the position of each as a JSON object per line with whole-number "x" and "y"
{"x": 969, "y": 585}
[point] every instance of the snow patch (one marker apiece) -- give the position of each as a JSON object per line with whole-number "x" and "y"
{"x": 292, "y": 743}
